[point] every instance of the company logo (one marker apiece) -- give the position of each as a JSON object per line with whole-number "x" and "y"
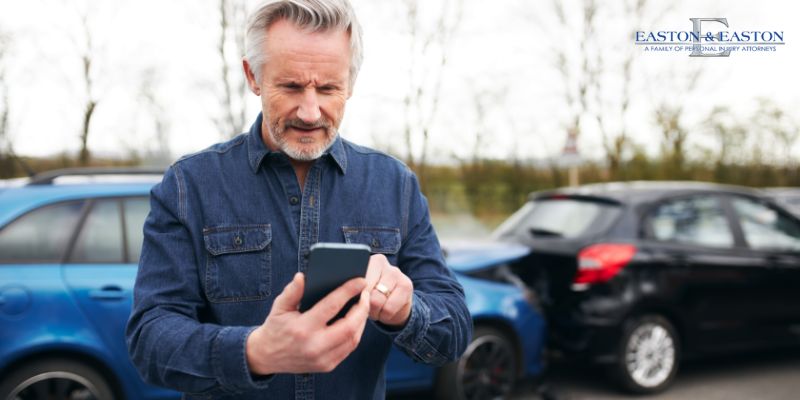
{"x": 703, "y": 41}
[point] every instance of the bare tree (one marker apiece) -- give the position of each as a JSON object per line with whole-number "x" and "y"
{"x": 773, "y": 126}
{"x": 6, "y": 164}
{"x": 580, "y": 69}
{"x": 5, "y": 110}
{"x": 674, "y": 135}
{"x": 483, "y": 101}
{"x": 729, "y": 135}
{"x": 88, "y": 25}
{"x": 421, "y": 102}
{"x": 617, "y": 143}
{"x": 5, "y": 41}
{"x": 88, "y": 56}
{"x": 86, "y": 47}
{"x": 230, "y": 48}
{"x": 472, "y": 174}
{"x": 9, "y": 161}
{"x": 577, "y": 81}
{"x": 160, "y": 153}
{"x": 594, "y": 73}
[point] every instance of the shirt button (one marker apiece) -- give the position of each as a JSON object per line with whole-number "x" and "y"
{"x": 293, "y": 200}
{"x": 237, "y": 241}
{"x": 376, "y": 242}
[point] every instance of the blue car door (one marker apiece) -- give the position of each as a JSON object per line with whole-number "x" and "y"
{"x": 101, "y": 268}
{"x": 31, "y": 289}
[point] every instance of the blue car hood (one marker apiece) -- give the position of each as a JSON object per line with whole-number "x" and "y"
{"x": 474, "y": 256}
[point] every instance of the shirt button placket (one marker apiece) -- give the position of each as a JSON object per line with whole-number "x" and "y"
{"x": 309, "y": 220}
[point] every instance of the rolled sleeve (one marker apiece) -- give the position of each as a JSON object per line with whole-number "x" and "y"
{"x": 230, "y": 360}
{"x": 414, "y": 338}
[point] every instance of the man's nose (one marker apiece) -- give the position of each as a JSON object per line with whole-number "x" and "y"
{"x": 309, "y": 107}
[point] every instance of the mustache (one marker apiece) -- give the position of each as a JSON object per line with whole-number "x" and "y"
{"x": 300, "y": 124}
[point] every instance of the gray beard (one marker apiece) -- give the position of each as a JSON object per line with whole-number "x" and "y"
{"x": 303, "y": 155}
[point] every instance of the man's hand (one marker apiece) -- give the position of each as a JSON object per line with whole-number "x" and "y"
{"x": 293, "y": 342}
{"x": 390, "y": 292}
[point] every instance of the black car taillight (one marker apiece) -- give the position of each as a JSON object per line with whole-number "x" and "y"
{"x": 599, "y": 263}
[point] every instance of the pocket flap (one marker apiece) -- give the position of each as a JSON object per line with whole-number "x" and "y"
{"x": 379, "y": 240}
{"x": 236, "y": 239}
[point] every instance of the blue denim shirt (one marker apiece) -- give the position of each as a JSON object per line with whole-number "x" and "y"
{"x": 228, "y": 228}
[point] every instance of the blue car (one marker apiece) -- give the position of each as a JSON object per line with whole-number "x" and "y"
{"x": 69, "y": 248}
{"x": 508, "y": 336}
{"x": 68, "y": 258}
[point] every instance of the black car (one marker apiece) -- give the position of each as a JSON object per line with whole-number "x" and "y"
{"x": 787, "y": 197}
{"x": 640, "y": 275}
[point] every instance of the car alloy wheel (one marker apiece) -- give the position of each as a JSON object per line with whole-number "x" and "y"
{"x": 650, "y": 354}
{"x": 486, "y": 370}
{"x": 55, "y": 379}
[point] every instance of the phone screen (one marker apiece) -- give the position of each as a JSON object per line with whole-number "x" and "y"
{"x": 330, "y": 265}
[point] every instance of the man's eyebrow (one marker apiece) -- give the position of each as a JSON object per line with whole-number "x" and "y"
{"x": 333, "y": 83}
{"x": 285, "y": 81}
{"x": 325, "y": 83}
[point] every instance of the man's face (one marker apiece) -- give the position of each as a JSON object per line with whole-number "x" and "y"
{"x": 304, "y": 86}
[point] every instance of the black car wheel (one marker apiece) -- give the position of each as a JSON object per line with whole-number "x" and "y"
{"x": 487, "y": 370}
{"x": 648, "y": 356}
{"x": 55, "y": 379}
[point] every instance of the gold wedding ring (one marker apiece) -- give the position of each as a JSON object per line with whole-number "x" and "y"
{"x": 383, "y": 289}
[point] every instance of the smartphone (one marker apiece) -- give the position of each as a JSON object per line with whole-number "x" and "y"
{"x": 330, "y": 265}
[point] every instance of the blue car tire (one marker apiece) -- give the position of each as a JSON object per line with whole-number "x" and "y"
{"x": 487, "y": 370}
{"x": 55, "y": 379}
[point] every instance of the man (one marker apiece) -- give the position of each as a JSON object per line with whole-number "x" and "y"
{"x": 220, "y": 278}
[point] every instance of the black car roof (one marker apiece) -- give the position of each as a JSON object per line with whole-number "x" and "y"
{"x": 643, "y": 191}
{"x": 783, "y": 191}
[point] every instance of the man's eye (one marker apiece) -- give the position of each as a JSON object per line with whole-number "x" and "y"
{"x": 327, "y": 89}
{"x": 291, "y": 86}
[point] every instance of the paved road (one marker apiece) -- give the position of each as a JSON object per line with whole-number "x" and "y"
{"x": 765, "y": 376}
{"x": 771, "y": 376}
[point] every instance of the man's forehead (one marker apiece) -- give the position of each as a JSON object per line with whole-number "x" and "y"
{"x": 299, "y": 55}
{"x": 289, "y": 66}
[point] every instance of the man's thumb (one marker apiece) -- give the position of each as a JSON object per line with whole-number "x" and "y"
{"x": 289, "y": 299}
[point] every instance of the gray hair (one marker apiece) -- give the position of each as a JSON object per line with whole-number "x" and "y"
{"x": 313, "y": 15}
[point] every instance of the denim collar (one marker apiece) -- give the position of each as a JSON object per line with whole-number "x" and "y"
{"x": 257, "y": 150}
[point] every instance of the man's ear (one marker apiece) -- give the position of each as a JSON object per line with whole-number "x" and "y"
{"x": 350, "y": 89}
{"x": 251, "y": 79}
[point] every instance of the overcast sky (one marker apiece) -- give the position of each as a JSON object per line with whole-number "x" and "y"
{"x": 502, "y": 52}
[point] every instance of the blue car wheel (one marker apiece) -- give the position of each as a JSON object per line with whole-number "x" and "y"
{"x": 487, "y": 370}
{"x": 55, "y": 379}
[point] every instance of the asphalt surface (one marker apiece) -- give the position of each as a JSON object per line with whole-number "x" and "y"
{"x": 771, "y": 375}
{"x": 766, "y": 375}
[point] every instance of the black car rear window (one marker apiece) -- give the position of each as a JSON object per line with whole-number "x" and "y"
{"x": 564, "y": 217}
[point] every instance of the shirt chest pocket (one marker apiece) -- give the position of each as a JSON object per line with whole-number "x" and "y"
{"x": 384, "y": 240}
{"x": 238, "y": 266}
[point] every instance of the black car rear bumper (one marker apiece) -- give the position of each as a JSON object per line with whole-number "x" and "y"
{"x": 591, "y": 338}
